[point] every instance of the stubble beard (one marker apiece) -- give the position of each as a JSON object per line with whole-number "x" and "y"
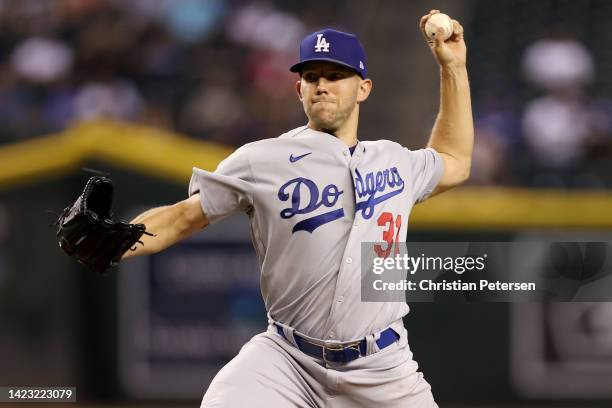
{"x": 330, "y": 122}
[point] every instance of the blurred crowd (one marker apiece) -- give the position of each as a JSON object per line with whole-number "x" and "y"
{"x": 217, "y": 70}
{"x": 560, "y": 137}
{"x": 542, "y": 93}
{"x": 213, "y": 69}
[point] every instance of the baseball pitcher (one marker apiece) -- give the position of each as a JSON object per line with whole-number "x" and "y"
{"x": 313, "y": 195}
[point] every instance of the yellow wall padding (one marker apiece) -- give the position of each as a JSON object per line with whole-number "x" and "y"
{"x": 170, "y": 156}
{"x": 512, "y": 208}
{"x": 141, "y": 149}
{"x": 35, "y": 159}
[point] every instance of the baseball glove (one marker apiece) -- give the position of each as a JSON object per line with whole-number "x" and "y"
{"x": 87, "y": 232}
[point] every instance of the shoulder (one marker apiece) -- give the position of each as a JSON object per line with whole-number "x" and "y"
{"x": 394, "y": 149}
{"x": 261, "y": 149}
{"x": 382, "y": 145}
{"x": 253, "y": 148}
{"x": 260, "y": 146}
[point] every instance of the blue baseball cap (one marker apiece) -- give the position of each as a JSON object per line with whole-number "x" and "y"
{"x": 334, "y": 46}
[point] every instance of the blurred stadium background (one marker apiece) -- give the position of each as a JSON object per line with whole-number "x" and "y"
{"x": 146, "y": 89}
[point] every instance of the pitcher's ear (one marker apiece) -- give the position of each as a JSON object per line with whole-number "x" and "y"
{"x": 365, "y": 87}
{"x": 298, "y": 89}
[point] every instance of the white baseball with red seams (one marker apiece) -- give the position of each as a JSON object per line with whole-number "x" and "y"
{"x": 436, "y": 21}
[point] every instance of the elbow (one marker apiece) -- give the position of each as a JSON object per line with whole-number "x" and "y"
{"x": 457, "y": 169}
{"x": 465, "y": 174}
{"x": 183, "y": 222}
{"x": 462, "y": 173}
{"x": 190, "y": 217}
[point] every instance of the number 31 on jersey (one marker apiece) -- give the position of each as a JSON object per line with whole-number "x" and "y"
{"x": 392, "y": 227}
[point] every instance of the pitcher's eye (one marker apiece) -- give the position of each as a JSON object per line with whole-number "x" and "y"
{"x": 310, "y": 77}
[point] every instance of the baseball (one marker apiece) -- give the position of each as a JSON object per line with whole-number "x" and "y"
{"x": 436, "y": 21}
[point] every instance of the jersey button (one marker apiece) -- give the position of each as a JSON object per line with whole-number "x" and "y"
{"x": 331, "y": 335}
{"x": 349, "y": 260}
{"x": 340, "y": 299}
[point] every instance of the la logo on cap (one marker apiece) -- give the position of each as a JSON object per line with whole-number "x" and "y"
{"x": 322, "y": 44}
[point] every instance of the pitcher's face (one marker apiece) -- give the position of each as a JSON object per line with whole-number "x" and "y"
{"x": 329, "y": 93}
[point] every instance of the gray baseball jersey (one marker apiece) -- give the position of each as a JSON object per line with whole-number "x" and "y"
{"x": 311, "y": 204}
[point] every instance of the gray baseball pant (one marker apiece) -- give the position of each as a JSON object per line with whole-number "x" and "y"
{"x": 271, "y": 372}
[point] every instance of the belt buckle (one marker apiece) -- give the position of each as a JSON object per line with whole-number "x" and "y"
{"x": 340, "y": 347}
{"x": 354, "y": 347}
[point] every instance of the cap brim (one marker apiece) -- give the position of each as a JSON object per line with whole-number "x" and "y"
{"x": 298, "y": 67}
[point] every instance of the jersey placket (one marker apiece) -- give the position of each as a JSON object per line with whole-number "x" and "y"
{"x": 349, "y": 265}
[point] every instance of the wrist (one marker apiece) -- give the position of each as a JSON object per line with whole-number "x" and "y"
{"x": 453, "y": 70}
{"x": 452, "y": 67}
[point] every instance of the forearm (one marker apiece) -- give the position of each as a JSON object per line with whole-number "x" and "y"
{"x": 453, "y": 131}
{"x": 159, "y": 222}
{"x": 168, "y": 224}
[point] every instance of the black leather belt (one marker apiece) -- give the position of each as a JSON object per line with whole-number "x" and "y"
{"x": 341, "y": 353}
